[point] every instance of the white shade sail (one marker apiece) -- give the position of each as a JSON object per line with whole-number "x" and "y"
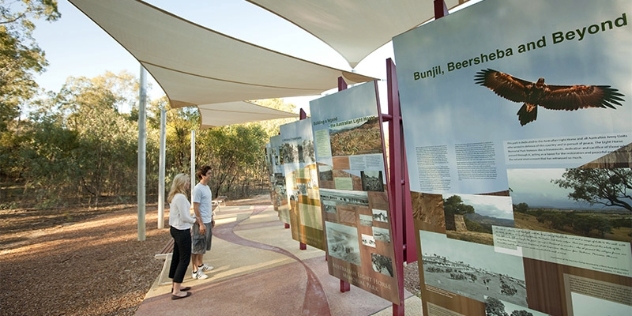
{"x": 196, "y": 66}
{"x": 354, "y": 28}
{"x": 221, "y": 114}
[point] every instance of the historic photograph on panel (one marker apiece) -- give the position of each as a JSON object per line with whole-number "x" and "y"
{"x": 325, "y": 173}
{"x": 471, "y": 269}
{"x": 382, "y": 264}
{"x": 381, "y": 234}
{"x": 342, "y": 197}
{"x": 368, "y": 240}
{"x": 582, "y": 202}
{"x": 329, "y": 206}
{"x": 372, "y": 181}
{"x": 380, "y": 215}
{"x": 343, "y": 242}
{"x": 470, "y": 217}
{"x": 366, "y": 220}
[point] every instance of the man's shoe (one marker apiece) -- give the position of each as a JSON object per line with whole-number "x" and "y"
{"x": 204, "y": 267}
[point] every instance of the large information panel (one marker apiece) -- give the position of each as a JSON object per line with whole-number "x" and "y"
{"x": 518, "y": 129}
{"x": 279, "y": 196}
{"x": 350, "y": 158}
{"x": 301, "y": 180}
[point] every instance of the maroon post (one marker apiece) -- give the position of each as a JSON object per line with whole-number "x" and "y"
{"x": 302, "y": 115}
{"x": 397, "y": 195}
{"x": 344, "y": 285}
{"x": 440, "y": 9}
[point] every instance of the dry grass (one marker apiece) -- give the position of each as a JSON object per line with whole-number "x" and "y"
{"x": 95, "y": 266}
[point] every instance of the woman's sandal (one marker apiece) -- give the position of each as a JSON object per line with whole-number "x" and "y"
{"x": 182, "y": 289}
{"x": 176, "y": 297}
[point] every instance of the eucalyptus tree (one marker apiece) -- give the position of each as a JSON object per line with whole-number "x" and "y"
{"x": 236, "y": 153}
{"x": 104, "y": 155}
{"x": 20, "y": 56}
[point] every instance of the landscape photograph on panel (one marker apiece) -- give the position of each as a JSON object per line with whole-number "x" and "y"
{"x": 358, "y": 136}
{"x": 581, "y": 202}
{"x": 472, "y": 270}
{"x": 342, "y": 242}
{"x": 496, "y": 307}
{"x": 470, "y": 217}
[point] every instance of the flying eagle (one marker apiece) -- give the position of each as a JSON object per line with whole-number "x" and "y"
{"x": 532, "y": 94}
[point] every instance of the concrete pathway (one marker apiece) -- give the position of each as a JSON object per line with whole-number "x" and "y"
{"x": 260, "y": 270}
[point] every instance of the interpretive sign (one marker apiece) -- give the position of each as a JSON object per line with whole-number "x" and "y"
{"x": 279, "y": 196}
{"x": 301, "y": 180}
{"x": 350, "y": 157}
{"x": 518, "y": 128}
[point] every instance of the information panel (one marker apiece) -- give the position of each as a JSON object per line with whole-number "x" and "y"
{"x": 518, "y": 129}
{"x": 301, "y": 180}
{"x": 279, "y": 197}
{"x": 350, "y": 158}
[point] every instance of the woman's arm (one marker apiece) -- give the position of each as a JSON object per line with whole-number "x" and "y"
{"x": 184, "y": 206}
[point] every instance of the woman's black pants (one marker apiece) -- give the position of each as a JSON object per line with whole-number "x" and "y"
{"x": 181, "y": 254}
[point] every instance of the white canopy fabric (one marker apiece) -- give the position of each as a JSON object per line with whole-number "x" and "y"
{"x": 196, "y": 66}
{"x": 221, "y": 114}
{"x": 354, "y": 28}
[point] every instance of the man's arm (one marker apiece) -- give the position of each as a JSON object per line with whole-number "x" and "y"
{"x": 198, "y": 217}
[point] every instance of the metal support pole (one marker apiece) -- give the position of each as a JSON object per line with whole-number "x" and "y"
{"x": 142, "y": 153}
{"x": 161, "y": 168}
{"x": 192, "y": 163}
{"x": 302, "y": 116}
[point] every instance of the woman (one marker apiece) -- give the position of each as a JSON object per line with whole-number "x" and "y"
{"x": 180, "y": 221}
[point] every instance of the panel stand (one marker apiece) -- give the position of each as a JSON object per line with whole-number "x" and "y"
{"x": 344, "y": 285}
{"x": 399, "y": 198}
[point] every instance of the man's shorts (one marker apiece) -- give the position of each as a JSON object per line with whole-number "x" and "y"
{"x": 201, "y": 243}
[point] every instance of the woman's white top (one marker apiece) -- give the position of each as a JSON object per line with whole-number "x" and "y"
{"x": 179, "y": 215}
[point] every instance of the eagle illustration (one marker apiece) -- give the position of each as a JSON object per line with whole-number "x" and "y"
{"x": 532, "y": 94}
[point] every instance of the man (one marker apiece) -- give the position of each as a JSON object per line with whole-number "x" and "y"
{"x": 202, "y": 229}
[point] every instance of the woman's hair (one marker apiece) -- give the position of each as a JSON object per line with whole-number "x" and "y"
{"x": 178, "y": 186}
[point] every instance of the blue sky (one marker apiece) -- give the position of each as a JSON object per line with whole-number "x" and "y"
{"x": 76, "y": 46}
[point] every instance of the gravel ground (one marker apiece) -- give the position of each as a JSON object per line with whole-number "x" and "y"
{"x": 92, "y": 266}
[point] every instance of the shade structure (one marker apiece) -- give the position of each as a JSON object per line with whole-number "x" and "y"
{"x": 351, "y": 27}
{"x": 195, "y": 65}
{"x": 222, "y": 114}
